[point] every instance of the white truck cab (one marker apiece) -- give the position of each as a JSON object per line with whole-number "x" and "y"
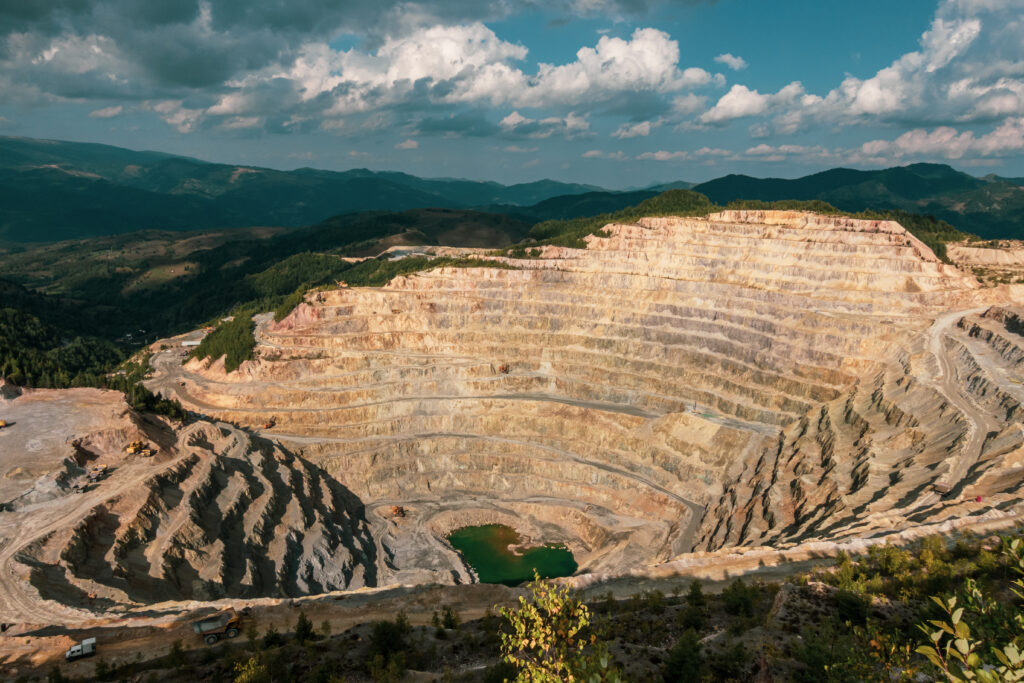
{"x": 86, "y": 648}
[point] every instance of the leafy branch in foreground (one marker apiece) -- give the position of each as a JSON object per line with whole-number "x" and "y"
{"x": 958, "y": 653}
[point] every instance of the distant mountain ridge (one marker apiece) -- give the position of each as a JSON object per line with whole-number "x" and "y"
{"x": 54, "y": 190}
{"x": 991, "y": 207}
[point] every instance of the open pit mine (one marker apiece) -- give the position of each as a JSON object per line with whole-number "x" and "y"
{"x": 682, "y": 390}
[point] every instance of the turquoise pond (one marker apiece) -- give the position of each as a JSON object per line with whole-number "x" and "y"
{"x": 486, "y": 550}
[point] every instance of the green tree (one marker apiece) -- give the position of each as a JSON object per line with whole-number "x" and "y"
{"x": 303, "y": 628}
{"x": 695, "y": 596}
{"x": 449, "y": 619}
{"x": 685, "y": 662}
{"x": 738, "y": 599}
{"x": 548, "y": 638}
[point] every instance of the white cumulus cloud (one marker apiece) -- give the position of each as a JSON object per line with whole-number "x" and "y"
{"x": 106, "y": 112}
{"x": 635, "y": 130}
{"x": 731, "y": 61}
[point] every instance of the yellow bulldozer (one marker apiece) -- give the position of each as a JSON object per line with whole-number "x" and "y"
{"x": 134, "y": 447}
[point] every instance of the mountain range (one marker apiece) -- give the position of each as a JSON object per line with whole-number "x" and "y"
{"x": 55, "y": 190}
{"x": 990, "y": 207}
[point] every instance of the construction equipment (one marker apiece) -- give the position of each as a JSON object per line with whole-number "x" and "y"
{"x": 3, "y": 423}
{"x": 397, "y": 511}
{"x": 87, "y": 648}
{"x": 220, "y": 625}
{"x": 504, "y": 368}
{"x": 270, "y": 424}
{"x": 134, "y": 447}
{"x": 98, "y": 472}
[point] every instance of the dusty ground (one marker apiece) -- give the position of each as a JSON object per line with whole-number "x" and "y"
{"x": 41, "y": 425}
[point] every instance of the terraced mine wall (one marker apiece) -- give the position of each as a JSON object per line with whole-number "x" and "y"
{"x": 749, "y": 378}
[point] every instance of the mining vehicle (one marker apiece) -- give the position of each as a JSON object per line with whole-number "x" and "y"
{"x": 87, "y": 648}
{"x": 97, "y": 473}
{"x": 134, "y": 447}
{"x": 270, "y": 424}
{"x": 220, "y": 625}
{"x": 3, "y": 423}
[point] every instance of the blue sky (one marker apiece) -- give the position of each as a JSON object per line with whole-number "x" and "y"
{"x": 618, "y": 93}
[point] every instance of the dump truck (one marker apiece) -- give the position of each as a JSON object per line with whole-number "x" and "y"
{"x": 222, "y": 625}
{"x": 87, "y": 648}
{"x": 270, "y": 424}
{"x": 98, "y": 472}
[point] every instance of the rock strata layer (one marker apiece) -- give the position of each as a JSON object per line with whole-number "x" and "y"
{"x": 749, "y": 378}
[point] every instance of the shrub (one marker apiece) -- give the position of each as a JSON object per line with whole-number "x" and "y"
{"x": 851, "y": 607}
{"x": 388, "y": 638}
{"x": 176, "y": 658}
{"x": 251, "y": 671}
{"x": 271, "y": 638}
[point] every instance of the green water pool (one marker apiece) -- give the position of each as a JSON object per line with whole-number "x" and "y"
{"x": 486, "y": 550}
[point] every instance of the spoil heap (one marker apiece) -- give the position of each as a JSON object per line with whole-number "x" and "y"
{"x": 218, "y": 514}
{"x": 745, "y": 378}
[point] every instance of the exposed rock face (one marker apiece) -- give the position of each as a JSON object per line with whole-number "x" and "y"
{"x": 749, "y": 378}
{"x": 226, "y": 515}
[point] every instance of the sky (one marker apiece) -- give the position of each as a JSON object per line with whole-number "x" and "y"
{"x": 616, "y": 93}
